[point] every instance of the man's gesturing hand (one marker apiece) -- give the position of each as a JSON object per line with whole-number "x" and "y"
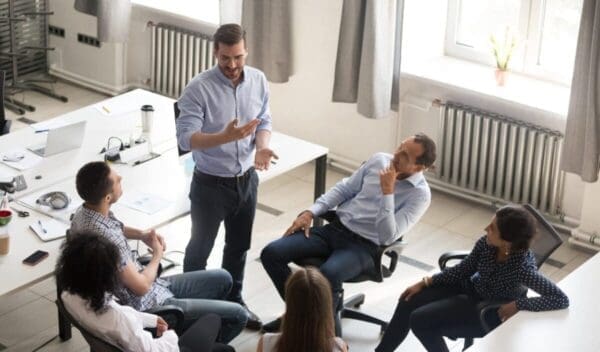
{"x": 233, "y": 132}
{"x": 262, "y": 159}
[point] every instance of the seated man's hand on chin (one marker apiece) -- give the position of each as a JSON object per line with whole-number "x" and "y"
{"x": 302, "y": 222}
{"x": 387, "y": 178}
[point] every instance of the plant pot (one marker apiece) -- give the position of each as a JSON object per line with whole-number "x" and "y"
{"x": 501, "y": 76}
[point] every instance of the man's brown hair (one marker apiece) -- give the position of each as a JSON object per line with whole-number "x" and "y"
{"x": 229, "y": 34}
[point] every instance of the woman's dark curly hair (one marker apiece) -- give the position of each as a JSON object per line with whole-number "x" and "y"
{"x": 88, "y": 267}
{"x": 517, "y": 226}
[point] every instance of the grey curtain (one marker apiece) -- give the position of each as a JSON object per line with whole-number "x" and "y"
{"x": 268, "y": 26}
{"x": 113, "y": 18}
{"x": 581, "y": 152}
{"x": 367, "y": 69}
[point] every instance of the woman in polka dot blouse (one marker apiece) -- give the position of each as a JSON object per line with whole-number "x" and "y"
{"x": 499, "y": 267}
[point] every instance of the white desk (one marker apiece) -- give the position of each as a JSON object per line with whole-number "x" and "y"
{"x": 572, "y": 329}
{"x": 99, "y": 127}
{"x": 165, "y": 176}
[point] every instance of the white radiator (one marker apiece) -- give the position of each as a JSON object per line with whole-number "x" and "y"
{"x": 177, "y": 56}
{"x": 499, "y": 158}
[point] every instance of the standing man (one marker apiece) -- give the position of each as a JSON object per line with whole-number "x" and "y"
{"x": 224, "y": 117}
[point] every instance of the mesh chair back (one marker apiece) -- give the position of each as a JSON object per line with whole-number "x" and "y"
{"x": 547, "y": 239}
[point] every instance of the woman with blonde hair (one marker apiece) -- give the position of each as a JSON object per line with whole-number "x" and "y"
{"x": 307, "y": 324}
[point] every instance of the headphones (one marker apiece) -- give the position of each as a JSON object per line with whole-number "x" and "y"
{"x": 54, "y": 200}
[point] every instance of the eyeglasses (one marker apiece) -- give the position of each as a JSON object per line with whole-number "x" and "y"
{"x": 225, "y": 60}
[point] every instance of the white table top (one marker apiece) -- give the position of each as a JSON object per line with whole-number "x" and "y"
{"x": 99, "y": 128}
{"x": 167, "y": 177}
{"x": 571, "y": 329}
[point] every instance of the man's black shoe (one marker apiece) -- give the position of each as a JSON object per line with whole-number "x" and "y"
{"x": 273, "y": 326}
{"x": 254, "y": 322}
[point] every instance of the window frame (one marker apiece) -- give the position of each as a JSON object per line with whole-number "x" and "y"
{"x": 526, "y": 56}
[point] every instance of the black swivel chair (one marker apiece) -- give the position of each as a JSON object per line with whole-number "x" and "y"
{"x": 4, "y": 123}
{"x": 348, "y": 307}
{"x": 546, "y": 242}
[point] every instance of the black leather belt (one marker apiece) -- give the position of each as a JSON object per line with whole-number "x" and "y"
{"x": 229, "y": 180}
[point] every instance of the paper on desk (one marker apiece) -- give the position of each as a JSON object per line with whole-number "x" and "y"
{"x": 144, "y": 202}
{"x": 49, "y": 229}
{"x": 115, "y": 107}
{"x": 28, "y": 161}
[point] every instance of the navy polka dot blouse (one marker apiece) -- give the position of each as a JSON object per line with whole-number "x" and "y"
{"x": 507, "y": 280}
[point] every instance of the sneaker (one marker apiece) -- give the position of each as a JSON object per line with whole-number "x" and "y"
{"x": 272, "y": 326}
{"x": 254, "y": 322}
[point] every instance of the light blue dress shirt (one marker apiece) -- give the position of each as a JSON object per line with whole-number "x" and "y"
{"x": 365, "y": 210}
{"x": 209, "y": 103}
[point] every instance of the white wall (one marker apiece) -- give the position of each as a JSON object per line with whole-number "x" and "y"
{"x": 100, "y": 68}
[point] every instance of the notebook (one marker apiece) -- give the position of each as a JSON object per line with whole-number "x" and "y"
{"x": 49, "y": 229}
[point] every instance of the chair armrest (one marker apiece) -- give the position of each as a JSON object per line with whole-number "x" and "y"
{"x": 329, "y": 216}
{"x": 488, "y": 307}
{"x": 393, "y": 251}
{"x": 172, "y": 314}
{"x": 452, "y": 255}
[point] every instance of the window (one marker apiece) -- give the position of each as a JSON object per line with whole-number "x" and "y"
{"x": 546, "y": 32}
{"x": 204, "y": 10}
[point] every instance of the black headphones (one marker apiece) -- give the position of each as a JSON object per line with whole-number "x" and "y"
{"x": 54, "y": 200}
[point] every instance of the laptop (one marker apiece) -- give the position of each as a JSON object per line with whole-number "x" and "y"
{"x": 61, "y": 139}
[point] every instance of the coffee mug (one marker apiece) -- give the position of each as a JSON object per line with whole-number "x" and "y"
{"x": 147, "y": 118}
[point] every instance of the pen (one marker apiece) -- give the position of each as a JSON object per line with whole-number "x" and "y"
{"x": 105, "y": 109}
{"x": 40, "y": 131}
{"x": 42, "y": 227}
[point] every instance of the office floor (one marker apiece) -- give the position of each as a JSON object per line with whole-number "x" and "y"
{"x": 28, "y": 317}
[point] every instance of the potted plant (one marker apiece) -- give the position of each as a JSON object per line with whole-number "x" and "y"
{"x": 503, "y": 47}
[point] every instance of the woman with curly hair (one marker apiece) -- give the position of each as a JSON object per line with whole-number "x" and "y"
{"x": 87, "y": 274}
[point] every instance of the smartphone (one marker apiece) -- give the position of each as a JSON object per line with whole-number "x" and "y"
{"x": 35, "y": 258}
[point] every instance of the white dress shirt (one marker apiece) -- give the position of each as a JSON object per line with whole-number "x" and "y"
{"x": 120, "y": 325}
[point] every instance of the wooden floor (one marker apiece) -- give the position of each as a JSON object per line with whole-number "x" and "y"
{"x": 28, "y": 318}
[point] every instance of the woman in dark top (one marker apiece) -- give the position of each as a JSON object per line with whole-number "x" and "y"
{"x": 499, "y": 267}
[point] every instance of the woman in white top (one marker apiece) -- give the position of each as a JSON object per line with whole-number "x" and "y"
{"x": 307, "y": 324}
{"x": 86, "y": 272}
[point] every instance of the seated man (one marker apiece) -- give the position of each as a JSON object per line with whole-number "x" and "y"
{"x": 196, "y": 292}
{"x": 378, "y": 203}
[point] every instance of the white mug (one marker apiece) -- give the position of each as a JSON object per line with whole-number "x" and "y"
{"x": 147, "y": 118}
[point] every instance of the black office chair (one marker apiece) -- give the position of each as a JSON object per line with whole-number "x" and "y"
{"x": 348, "y": 307}
{"x": 177, "y": 111}
{"x": 546, "y": 242}
{"x": 96, "y": 343}
{"x": 4, "y": 123}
